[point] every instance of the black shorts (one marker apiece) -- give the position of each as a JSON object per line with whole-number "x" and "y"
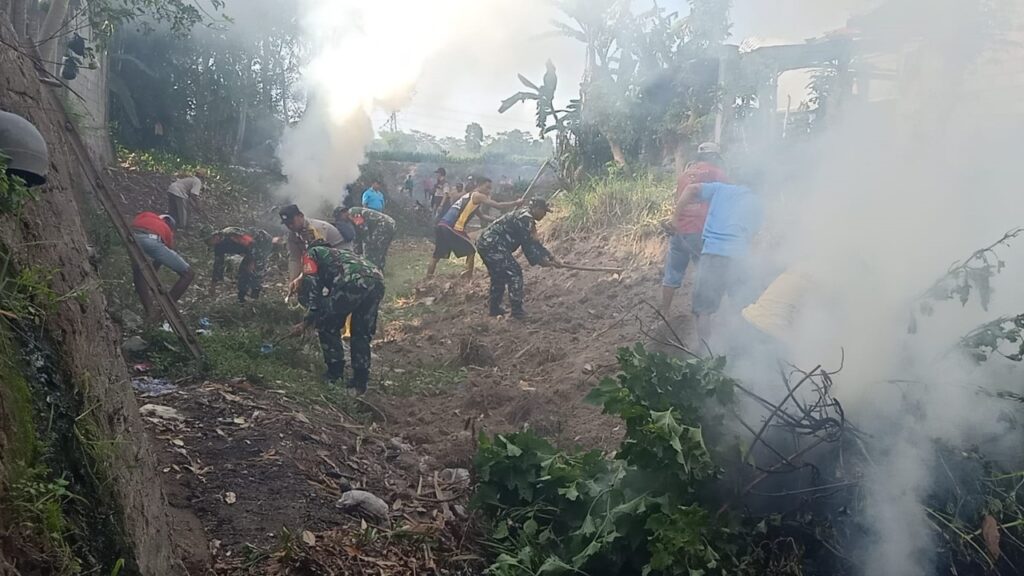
{"x": 448, "y": 242}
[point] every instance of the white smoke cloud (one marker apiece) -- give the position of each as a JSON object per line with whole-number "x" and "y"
{"x": 370, "y": 55}
{"x": 878, "y": 210}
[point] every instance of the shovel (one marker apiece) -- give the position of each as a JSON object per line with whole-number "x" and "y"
{"x": 268, "y": 347}
{"x": 591, "y": 268}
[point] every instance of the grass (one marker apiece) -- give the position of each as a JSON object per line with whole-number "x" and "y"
{"x": 427, "y": 381}
{"x": 407, "y": 265}
{"x": 634, "y": 203}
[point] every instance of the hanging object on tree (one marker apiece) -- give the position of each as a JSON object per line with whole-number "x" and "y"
{"x": 69, "y": 71}
{"x": 77, "y": 44}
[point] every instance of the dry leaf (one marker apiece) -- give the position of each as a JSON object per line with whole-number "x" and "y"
{"x": 308, "y": 538}
{"x": 178, "y": 442}
{"x": 230, "y": 497}
{"x": 990, "y": 533}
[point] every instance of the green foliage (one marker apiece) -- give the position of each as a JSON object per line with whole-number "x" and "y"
{"x": 643, "y": 512}
{"x": 619, "y": 201}
{"x": 422, "y": 382}
{"x": 13, "y": 191}
{"x": 25, "y": 293}
{"x": 217, "y": 93}
{"x": 972, "y": 275}
{"x": 162, "y": 161}
{"x": 36, "y": 502}
{"x": 651, "y": 80}
{"x": 180, "y": 15}
{"x": 987, "y": 339}
{"x": 474, "y": 138}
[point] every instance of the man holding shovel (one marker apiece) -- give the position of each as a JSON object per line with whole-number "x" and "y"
{"x": 450, "y": 236}
{"x": 336, "y": 284}
{"x": 497, "y": 246}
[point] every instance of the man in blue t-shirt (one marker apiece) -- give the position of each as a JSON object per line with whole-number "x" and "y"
{"x": 373, "y": 198}
{"x": 734, "y": 217}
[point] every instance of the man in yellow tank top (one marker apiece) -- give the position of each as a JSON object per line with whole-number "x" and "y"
{"x": 450, "y": 235}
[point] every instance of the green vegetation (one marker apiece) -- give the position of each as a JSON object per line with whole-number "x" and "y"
{"x": 153, "y": 160}
{"x": 618, "y": 202}
{"x": 37, "y": 503}
{"x": 441, "y": 158}
{"x": 13, "y": 191}
{"x": 423, "y": 381}
{"x": 647, "y": 511}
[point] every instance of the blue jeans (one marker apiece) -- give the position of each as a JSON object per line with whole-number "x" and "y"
{"x": 682, "y": 248}
{"x": 160, "y": 254}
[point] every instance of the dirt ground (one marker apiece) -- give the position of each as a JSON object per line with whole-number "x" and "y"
{"x": 256, "y": 473}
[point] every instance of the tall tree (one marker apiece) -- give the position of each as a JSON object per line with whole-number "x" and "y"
{"x": 474, "y": 138}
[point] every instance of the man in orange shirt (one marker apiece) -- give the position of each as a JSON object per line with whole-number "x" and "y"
{"x": 154, "y": 233}
{"x": 688, "y": 221}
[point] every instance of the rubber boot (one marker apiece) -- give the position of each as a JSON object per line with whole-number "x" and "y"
{"x": 360, "y": 381}
{"x": 495, "y": 306}
{"x": 517, "y": 311}
{"x": 334, "y": 373}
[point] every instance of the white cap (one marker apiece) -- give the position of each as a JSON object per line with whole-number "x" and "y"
{"x": 709, "y": 148}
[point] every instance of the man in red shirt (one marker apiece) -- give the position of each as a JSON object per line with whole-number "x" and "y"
{"x": 688, "y": 221}
{"x": 154, "y": 233}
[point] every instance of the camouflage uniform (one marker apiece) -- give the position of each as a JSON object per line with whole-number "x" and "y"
{"x": 337, "y": 283}
{"x": 374, "y": 233}
{"x": 496, "y": 247}
{"x": 255, "y": 248}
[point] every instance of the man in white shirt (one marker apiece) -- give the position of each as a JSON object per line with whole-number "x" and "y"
{"x": 183, "y": 196}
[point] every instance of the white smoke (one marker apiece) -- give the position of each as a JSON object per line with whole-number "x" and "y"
{"x": 369, "y": 55}
{"x": 879, "y": 209}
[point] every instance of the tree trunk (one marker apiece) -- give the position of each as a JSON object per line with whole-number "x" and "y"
{"x": 66, "y": 405}
{"x": 617, "y": 154}
{"x": 19, "y": 18}
{"x": 51, "y": 32}
{"x": 240, "y": 135}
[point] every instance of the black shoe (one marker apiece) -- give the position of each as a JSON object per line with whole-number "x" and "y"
{"x": 359, "y": 382}
{"x": 498, "y": 312}
{"x": 519, "y": 314}
{"x": 332, "y": 377}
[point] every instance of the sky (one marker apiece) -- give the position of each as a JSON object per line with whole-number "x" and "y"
{"x": 445, "y": 100}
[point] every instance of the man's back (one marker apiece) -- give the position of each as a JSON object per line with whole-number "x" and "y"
{"x": 185, "y": 186}
{"x": 734, "y": 217}
{"x": 690, "y": 219}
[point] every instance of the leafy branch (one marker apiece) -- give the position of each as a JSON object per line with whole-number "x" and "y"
{"x": 973, "y": 273}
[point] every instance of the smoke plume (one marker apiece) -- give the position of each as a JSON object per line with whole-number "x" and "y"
{"x": 887, "y": 199}
{"x": 370, "y": 55}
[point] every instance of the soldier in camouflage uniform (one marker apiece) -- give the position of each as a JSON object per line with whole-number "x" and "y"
{"x": 254, "y": 247}
{"x": 497, "y": 246}
{"x": 374, "y": 232}
{"x": 337, "y": 283}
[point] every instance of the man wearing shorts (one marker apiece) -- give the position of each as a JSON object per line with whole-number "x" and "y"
{"x": 450, "y": 235}
{"x": 734, "y": 217}
{"x": 155, "y": 235}
{"x": 688, "y": 222}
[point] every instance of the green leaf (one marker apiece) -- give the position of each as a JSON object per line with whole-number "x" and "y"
{"x": 530, "y": 527}
{"x": 526, "y": 82}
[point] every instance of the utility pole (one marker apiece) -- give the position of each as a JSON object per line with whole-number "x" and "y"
{"x": 392, "y": 124}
